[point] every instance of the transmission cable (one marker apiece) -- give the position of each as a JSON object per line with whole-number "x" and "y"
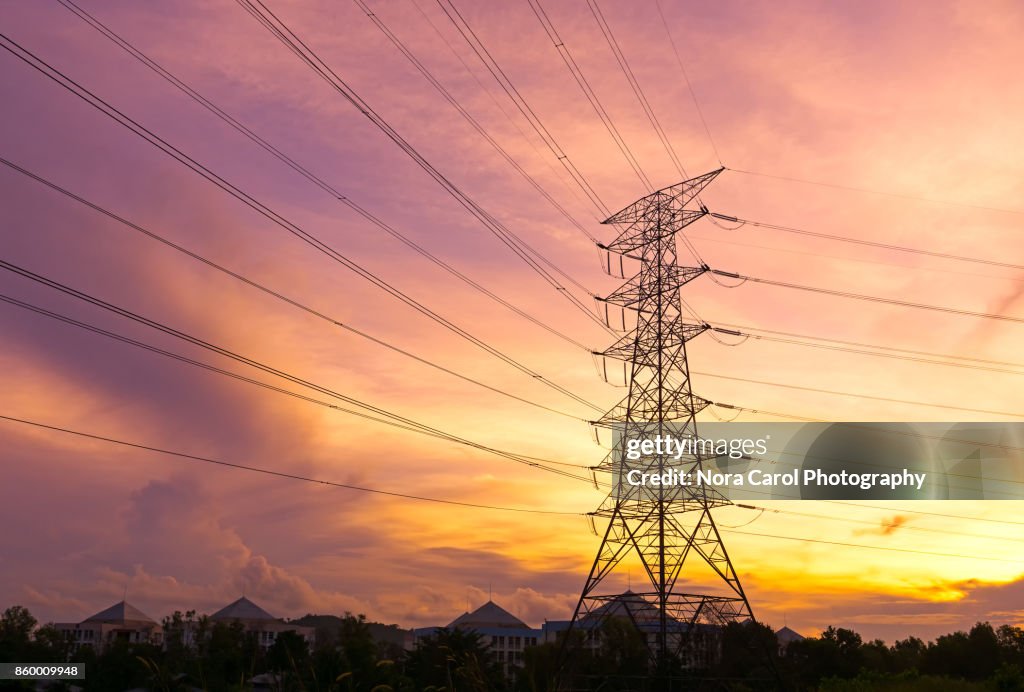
{"x": 872, "y": 547}
{"x": 871, "y": 428}
{"x": 971, "y": 359}
{"x": 588, "y": 91}
{"x": 873, "y": 299}
{"x": 868, "y": 522}
{"x": 492, "y": 66}
{"x": 884, "y": 193}
{"x": 850, "y": 349}
{"x": 447, "y": 95}
{"x": 689, "y": 86}
{"x": 183, "y": 336}
{"x": 533, "y": 258}
{"x": 268, "y": 213}
{"x": 271, "y": 292}
{"x": 559, "y": 173}
{"x": 301, "y": 169}
{"x": 620, "y": 57}
{"x": 278, "y": 474}
{"x": 857, "y": 396}
{"x": 869, "y": 243}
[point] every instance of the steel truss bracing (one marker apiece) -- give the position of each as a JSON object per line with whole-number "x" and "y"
{"x": 665, "y": 527}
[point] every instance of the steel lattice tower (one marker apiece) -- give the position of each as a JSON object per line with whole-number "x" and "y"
{"x": 663, "y": 526}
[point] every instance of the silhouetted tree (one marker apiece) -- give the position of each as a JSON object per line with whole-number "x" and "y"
{"x": 454, "y": 657}
{"x": 749, "y": 652}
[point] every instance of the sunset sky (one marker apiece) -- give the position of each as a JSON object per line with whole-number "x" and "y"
{"x": 922, "y": 100}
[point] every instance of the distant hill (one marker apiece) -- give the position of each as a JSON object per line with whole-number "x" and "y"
{"x": 381, "y": 633}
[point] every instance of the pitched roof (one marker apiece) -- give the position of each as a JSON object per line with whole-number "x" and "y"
{"x": 786, "y": 635}
{"x": 121, "y": 613}
{"x": 630, "y": 605}
{"x": 490, "y": 614}
{"x": 243, "y": 609}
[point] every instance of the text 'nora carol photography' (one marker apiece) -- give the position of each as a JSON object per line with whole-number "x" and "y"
{"x": 793, "y": 461}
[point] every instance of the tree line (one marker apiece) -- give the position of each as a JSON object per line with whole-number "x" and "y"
{"x": 200, "y": 654}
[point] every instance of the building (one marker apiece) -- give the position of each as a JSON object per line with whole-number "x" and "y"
{"x": 265, "y": 626}
{"x": 700, "y": 644}
{"x": 505, "y": 635}
{"x": 785, "y": 637}
{"x": 120, "y": 622}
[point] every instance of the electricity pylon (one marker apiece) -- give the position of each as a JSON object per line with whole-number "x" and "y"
{"x": 665, "y": 527}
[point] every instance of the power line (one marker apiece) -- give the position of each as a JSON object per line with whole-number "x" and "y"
{"x": 883, "y": 193}
{"x": 271, "y": 292}
{"x": 441, "y": 89}
{"x": 856, "y": 396}
{"x": 952, "y": 356}
{"x": 869, "y": 243}
{"x": 872, "y": 547}
{"x": 933, "y": 514}
{"x": 860, "y": 351}
{"x": 689, "y": 86}
{"x": 301, "y": 169}
{"x": 516, "y": 244}
{"x": 867, "y": 522}
{"x": 119, "y": 117}
{"x": 873, "y": 299}
{"x": 889, "y": 431}
{"x": 859, "y": 260}
{"x": 422, "y": 498}
{"x": 280, "y": 474}
{"x": 588, "y": 91}
{"x": 411, "y": 426}
{"x": 559, "y": 173}
{"x": 409, "y": 423}
{"x": 638, "y": 91}
{"x": 872, "y": 428}
{"x": 521, "y": 104}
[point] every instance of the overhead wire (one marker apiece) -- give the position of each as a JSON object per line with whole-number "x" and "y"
{"x": 638, "y": 91}
{"x": 291, "y": 227}
{"x": 302, "y": 170}
{"x": 933, "y": 514}
{"x": 869, "y": 243}
{"x": 870, "y": 397}
{"x": 689, "y": 85}
{"x": 522, "y": 105}
{"x": 871, "y": 428}
{"x": 832, "y": 346}
{"x": 870, "y": 298}
{"x": 273, "y": 293}
{"x": 782, "y": 537}
{"x": 884, "y": 193}
{"x": 377, "y": 414}
{"x": 874, "y": 524}
{"x": 952, "y": 356}
{"x": 279, "y": 474}
{"x": 589, "y": 93}
{"x": 467, "y": 116}
{"x": 526, "y": 252}
{"x": 888, "y": 548}
{"x": 944, "y": 271}
{"x": 470, "y": 505}
{"x": 559, "y": 172}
